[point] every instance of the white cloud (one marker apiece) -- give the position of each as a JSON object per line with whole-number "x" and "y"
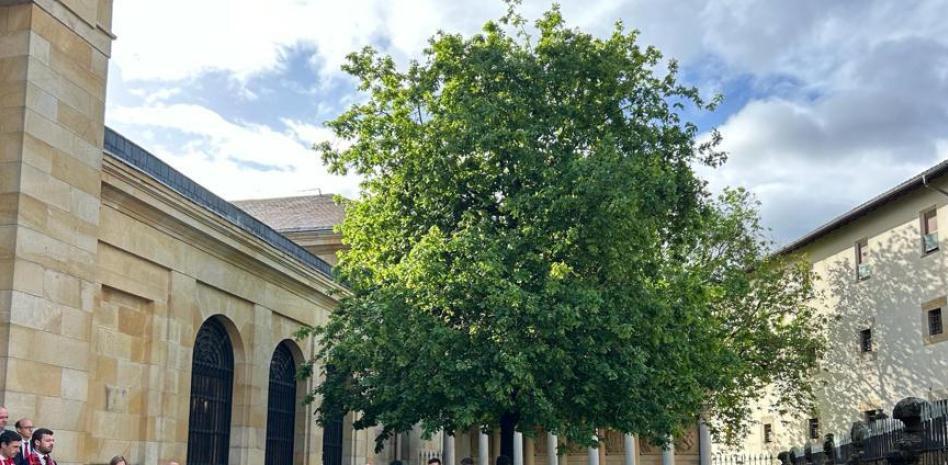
{"x": 865, "y": 107}
{"x": 235, "y": 160}
{"x": 178, "y": 39}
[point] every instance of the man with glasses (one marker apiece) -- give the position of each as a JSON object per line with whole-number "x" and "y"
{"x": 24, "y": 426}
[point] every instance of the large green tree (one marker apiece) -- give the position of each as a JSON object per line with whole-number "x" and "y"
{"x": 532, "y": 245}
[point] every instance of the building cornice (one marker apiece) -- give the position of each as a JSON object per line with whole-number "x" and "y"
{"x": 136, "y": 194}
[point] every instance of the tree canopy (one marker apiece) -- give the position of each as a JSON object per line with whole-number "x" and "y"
{"x": 532, "y": 241}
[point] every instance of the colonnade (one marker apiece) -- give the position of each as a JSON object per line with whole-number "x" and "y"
{"x": 523, "y": 450}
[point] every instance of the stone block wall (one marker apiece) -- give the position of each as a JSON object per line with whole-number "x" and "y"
{"x": 106, "y": 274}
{"x": 53, "y": 64}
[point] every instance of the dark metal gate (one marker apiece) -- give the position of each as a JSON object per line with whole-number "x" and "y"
{"x": 212, "y": 379}
{"x": 281, "y": 408}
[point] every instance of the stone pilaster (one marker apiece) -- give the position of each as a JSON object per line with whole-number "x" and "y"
{"x": 53, "y": 66}
{"x": 529, "y": 451}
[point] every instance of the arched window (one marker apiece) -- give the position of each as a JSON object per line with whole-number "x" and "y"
{"x": 281, "y": 407}
{"x": 212, "y": 380}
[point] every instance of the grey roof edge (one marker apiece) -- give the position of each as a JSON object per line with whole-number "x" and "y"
{"x": 132, "y": 154}
{"x": 919, "y": 180}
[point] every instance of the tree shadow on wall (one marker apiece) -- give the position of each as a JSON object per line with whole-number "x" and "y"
{"x": 888, "y": 303}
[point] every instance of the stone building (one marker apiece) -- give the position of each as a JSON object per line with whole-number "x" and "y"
{"x": 883, "y": 281}
{"x": 139, "y": 313}
{"x": 142, "y": 315}
{"x": 307, "y": 220}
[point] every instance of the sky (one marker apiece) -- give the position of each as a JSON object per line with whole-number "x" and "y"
{"x": 827, "y": 103}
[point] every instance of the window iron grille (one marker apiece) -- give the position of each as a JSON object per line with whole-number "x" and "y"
{"x": 934, "y": 322}
{"x": 281, "y": 407}
{"x": 212, "y": 377}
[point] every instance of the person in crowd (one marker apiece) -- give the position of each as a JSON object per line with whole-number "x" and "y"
{"x": 24, "y": 426}
{"x": 434, "y": 461}
{"x": 43, "y": 443}
{"x": 467, "y": 461}
{"x": 4, "y": 417}
{"x": 118, "y": 460}
{"x": 9, "y": 447}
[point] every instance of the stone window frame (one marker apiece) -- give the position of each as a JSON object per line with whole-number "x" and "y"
{"x": 813, "y": 428}
{"x": 866, "y": 357}
{"x": 923, "y": 227}
{"x": 860, "y": 245}
{"x": 767, "y": 433}
{"x": 866, "y": 345}
{"x": 936, "y": 303}
{"x": 872, "y": 414}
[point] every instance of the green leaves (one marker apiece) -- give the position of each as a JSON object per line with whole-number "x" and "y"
{"x": 532, "y": 241}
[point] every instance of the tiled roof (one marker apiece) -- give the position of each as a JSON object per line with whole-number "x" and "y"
{"x": 302, "y": 213}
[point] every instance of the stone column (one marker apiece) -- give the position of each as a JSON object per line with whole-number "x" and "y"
{"x": 704, "y": 443}
{"x": 668, "y": 453}
{"x": 593, "y": 453}
{"x": 447, "y": 446}
{"x": 552, "y": 444}
{"x": 629, "y": 447}
{"x": 517, "y": 448}
{"x": 483, "y": 449}
{"x": 53, "y": 67}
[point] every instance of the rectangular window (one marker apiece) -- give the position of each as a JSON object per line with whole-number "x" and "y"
{"x": 862, "y": 259}
{"x": 768, "y": 433}
{"x": 814, "y": 428}
{"x": 865, "y": 340}
{"x": 934, "y": 322}
{"x": 929, "y": 231}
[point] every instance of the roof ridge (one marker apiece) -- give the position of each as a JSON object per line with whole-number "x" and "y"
{"x": 265, "y": 199}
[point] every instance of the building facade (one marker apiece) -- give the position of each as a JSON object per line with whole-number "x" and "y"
{"x": 142, "y": 315}
{"x": 139, "y": 314}
{"x": 883, "y": 281}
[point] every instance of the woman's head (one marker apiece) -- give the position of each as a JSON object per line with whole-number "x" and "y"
{"x": 118, "y": 460}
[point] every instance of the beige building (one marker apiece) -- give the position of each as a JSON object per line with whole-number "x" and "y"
{"x": 142, "y": 315}
{"x": 139, "y": 314}
{"x": 883, "y": 280}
